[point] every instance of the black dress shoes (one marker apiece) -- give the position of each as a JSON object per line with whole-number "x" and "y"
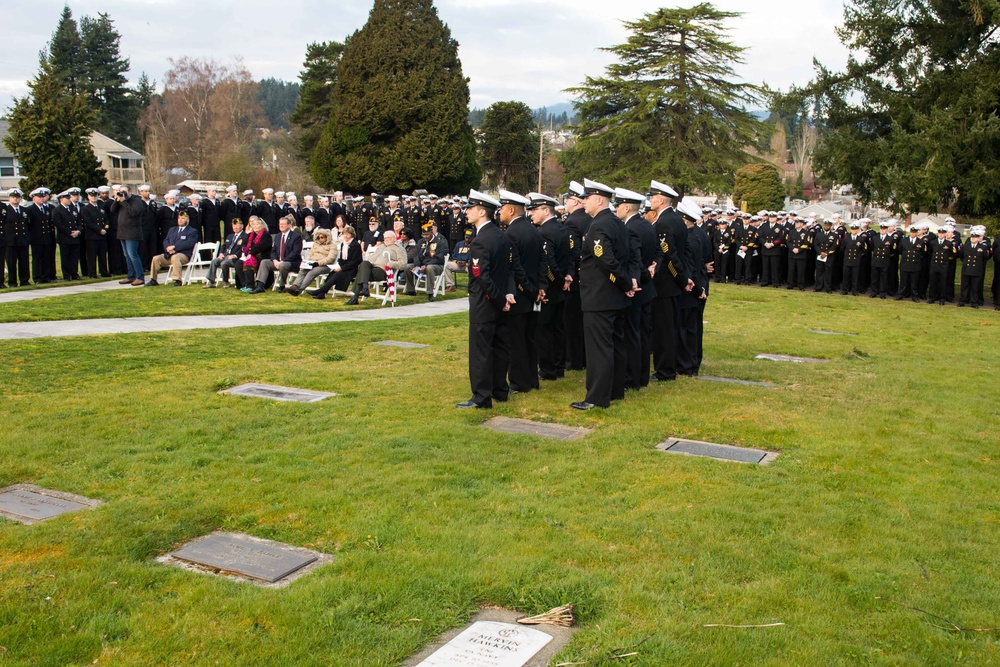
{"x": 472, "y": 404}
{"x": 582, "y": 405}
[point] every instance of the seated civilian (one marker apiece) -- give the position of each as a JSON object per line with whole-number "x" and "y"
{"x": 229, "y": 253}
{"x": 431, "y": 251}
{"x": 286, "y": 256}
{"x": 322, "y": 254}
{"x": 372, "y": 236}
{"x": 387, "y": 253}
{"x": 177, "y": 248}
{"x": 459, "y": 261}
{"x": 342, "y": 271}
{"x": 256, "y": 249}
{"x": 308, "y": 227}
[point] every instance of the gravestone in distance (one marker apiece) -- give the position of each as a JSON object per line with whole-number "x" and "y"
{"x": 28, "y": 504}
{"x": 716, "y": 451}
{"x": 797, "y": 360}
{"x": 246, "y": 556}
{"x": 490, "y": 644}
{"x": 399, "y": 343}
{"x": 830, "y": 333}
{"x": 542, "y": 430}
{"x": 752, "y": 383}
{"x": 276, "y": 393}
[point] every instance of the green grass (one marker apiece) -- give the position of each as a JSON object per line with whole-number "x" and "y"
{"x": 189, "y": 300}
{"x": 886, "y": 486}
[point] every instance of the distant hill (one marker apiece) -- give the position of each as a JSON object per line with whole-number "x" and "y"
{"x": 556, "y": 115}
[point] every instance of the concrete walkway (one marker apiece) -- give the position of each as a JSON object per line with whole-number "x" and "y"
{"x": 61, "y": 328}
{"x": 46, "y": 292}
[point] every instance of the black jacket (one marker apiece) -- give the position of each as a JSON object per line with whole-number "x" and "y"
{"x": 558, "y": 259}
{"x": 605, "y": 271}
{"x": 648, "y": 246}
{"x": 491, "y": 274}
{"x": 671, "y": 280}
{"x": 530, "y": 252}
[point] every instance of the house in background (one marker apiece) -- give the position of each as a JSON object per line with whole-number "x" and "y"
{"x": 122, "y": 164}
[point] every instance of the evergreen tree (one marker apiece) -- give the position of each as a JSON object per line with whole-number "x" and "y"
{"x": 317, "y": 81}
{"x": 103, "y": 80}
{"x": 759, "y": 185}
{"x": 402, "y": 106}
{"x": 277, "y": 99}
{"x": 50, "y": 134}
{"x": 508, "y": 146}
{"x": 141, "y": 98}
{"x": 912, "y": 122}
{"x": 669, "y": 108}
{"x": 65, "y": 52}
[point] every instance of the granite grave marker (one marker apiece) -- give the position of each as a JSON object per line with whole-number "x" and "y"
{"x": 276, "y": 393}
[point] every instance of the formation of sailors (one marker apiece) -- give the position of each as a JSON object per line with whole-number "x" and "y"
{"x": 618, "y": 286}
{"x": 775, "y": 249}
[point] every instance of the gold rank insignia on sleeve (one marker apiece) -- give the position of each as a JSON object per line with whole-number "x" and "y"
{"x": 612, "y": 277}
{"x": 598, "y": 249}
{"x": 673, "y": 271}
{"x": 664, "y": 246}
{"x": 551, "y": 276}
{"x": 510, "y": 258}
{"x": 572, "y": 244}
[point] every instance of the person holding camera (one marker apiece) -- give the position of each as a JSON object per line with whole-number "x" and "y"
{"x": 128, "y": 210}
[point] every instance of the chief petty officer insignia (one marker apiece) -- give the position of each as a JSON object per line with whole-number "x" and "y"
{"x": 598, "y": 250}
{"x": 664, "y": 246}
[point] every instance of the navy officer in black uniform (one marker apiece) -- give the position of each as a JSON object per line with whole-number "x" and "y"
{"x": 609, "y": 277}
{"x": 491, "y": 294}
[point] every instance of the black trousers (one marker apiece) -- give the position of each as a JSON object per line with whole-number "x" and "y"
{"x": 880, "y": 280}
{"x": 894, "y": 275}
{"x": 664, "y": 343}
{"x": 604, "y": 333}
{"x": 43, "y": 262}
{"x": 935, "y": 286}
{"x": 797, "y": 272}
{"x": 688, "y": 351}
{"x": 770, "y": 273}
{"x": 18, "y": 268}
{"x": 523, "y": 365}
{"x": 576, "y": 351}
{"x": 851, "y": 280}
{"x": 908, "y": 284}
{"x": 550, "y": 339}
{"x": 488, "y": 360}
{"x": 743, "y": 273}
{"x": 149, "y": 246}
{"x": 340, "y": 280}
{"x": 824, "y": 276}
{"x": 638, "y": 344}
{"x": 949, "y": 283}
{"x": 69, "y": 259}
{"x": 972, "y": 290}
{"x": 97, "y": 258}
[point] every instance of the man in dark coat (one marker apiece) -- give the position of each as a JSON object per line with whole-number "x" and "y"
{"x": 883, "y": 250}
{"x": 853, "y": 249}
{"x": 550, "y": 334}
{"x": 638, "y": 315}
{"x": 577, "y": 223}
{"x": 670, "y": 281}
{"x": 911, "y": 256}
{"x": 975, "y": 253}
{"x": 609, "y": 277}
{"x": 491, "y": 294}
{"x": 69, "y": 234}
{"x": 698, "y": 259}
{"x": 209, "y": 213}
{"x": 14, "y": 220}
{"x": 42, "y": 235}
{"x": 95, "y": 225}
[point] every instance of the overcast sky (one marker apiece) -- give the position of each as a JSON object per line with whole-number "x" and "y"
{"x": 510, "y": 49}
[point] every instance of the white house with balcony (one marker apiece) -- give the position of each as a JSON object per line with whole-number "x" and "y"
{"x": 122, "y": 164}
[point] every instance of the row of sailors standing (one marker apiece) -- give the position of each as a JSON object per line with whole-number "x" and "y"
{"x": 604, "y": 289}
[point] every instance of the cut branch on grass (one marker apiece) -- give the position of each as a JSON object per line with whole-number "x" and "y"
{"x": 954, "y": 627}
{"x": 724, "y": 625}
{"x": 562, "y": 616}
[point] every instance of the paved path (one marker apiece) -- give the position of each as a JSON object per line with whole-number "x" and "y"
{"x": 60, "y": 328}
{"x": 45, "y": 292}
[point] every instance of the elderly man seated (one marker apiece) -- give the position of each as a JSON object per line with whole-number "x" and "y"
{"x": 387, "y": 252}
{"x": 229, "y": 253}
{"x": 286, "y": 256}
{"x": 431, "y": 251}
{"x": 177, "y": 248}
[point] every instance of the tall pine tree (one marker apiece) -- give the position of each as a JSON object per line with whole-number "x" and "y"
{"x": 103, "y": 81}
{"x": 50, "y": 134}
{"x": 402, "y": 106}
{"x": 508, "y": 146}
{"x": 670, "y": 107}
{"x": 65, "y": 52}
{"x": 316, "y": 99}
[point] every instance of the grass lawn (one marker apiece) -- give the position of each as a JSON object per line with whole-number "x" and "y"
{"x": 886, "y": 487}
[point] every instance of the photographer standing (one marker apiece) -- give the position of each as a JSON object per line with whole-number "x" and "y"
{"x": 128, "y": 210}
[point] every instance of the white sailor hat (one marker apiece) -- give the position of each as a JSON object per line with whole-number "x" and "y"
{"x": 103, "y": 188}
{"x": 477, "y": 198}
{"x": 63, "y": 195}
{"x": 231, "y": 188}
{"x": 772, "y": 214}
{"x": 392, "y": 198}
{"x": 44, "y": 190}
{"x": 762, "y": 214}
{"x": 855, "y": 224}
{"x": 74, "y": 191}
{"x": 508, "y": 197}
{"x": 280, "y": 193}
{"x": 338, "y": 193}
{"x": 433, "y": 196}
{"x": 211, "y": 188}
{"x": 798, "y": 220}
{"x": 324, "y": 198}
{"x": 978, "y": 230}
{"x": 14, "y": 192}
{"x": 267, "y": 191}
{"x": 247, "y": 192}
{"x": 689, "y": 209}
{"x": 657, "y": 188}
{"x": 755, "y": 218}
{"x": 629, "y": 196}
{"x": 144, "y": 187}
{"x": 949, "y": 220}
{"x": 891, "y": 222}
{"x": 575, "y": 190}
{"x": 536, "y": 199}
{"x": 596, "y": 188}
{"x": 172, "y": 193}
{"x": 883, "y": 224}
{"x": 194, "y": 195}
{"x": 91, "y": 191}
{"x": 289, "y": 194}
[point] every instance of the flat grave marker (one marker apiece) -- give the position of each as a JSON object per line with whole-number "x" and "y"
{"x": 495, "y": 639}
{"x": 400, "y": 343}
{"x": 752, "y": 383}
{"x": 796, "y": 360}
{"x": 541, "y": 429}
{"x": 276, "y": 393}
{"x": 246, "y": 557}
{"x": 28, "y": 504}
{"x": 823, "y": 332}
{"x": 716, "y": 451}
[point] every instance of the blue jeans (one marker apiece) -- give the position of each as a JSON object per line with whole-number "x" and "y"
{"x": 132, "y": 261}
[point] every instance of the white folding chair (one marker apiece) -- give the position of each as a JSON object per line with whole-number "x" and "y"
{"x": 200, "y": 261}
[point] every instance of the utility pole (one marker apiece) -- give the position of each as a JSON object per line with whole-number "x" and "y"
{"x": 541, "y": 146}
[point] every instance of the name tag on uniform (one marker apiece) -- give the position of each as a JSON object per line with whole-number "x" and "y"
{"x": 183, "y": 238}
